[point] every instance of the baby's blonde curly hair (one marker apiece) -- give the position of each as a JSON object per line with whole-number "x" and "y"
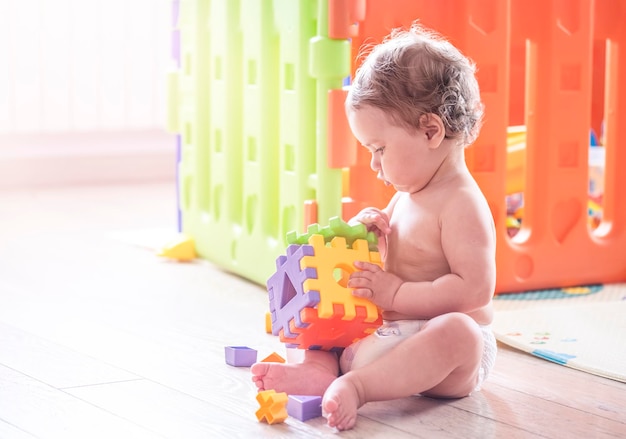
{"x": 414, "y": 73}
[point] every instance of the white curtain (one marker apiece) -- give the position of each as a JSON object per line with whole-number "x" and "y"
{"x": 83, "y": 65}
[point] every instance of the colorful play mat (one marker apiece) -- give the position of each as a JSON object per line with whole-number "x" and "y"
{"x": 583, "y": 327}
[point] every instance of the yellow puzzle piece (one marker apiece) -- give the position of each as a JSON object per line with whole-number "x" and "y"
{"x": 182, "y": 249}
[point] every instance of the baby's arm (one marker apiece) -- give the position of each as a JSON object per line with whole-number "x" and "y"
{"x": 468, "y": 242}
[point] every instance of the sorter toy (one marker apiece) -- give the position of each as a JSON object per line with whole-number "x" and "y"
{"x": 257, "y": 101}
{"x": 310, "y": 304}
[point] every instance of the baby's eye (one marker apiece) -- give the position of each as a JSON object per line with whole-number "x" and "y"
{"x": 381, "y": 149}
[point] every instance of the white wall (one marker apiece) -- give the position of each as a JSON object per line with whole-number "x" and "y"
{"x": 75, "y": 77}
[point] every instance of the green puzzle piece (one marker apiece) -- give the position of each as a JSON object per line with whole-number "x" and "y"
{"x": 336, "y": 227}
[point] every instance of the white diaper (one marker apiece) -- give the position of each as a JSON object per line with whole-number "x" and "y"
{"x": 391, "y": 333}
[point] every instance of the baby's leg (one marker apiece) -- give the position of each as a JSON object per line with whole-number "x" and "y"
{"x": 310, "y": 377}
{"x": 441, "y": 360}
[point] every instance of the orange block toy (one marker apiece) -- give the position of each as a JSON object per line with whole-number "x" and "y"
{"x": 273, "y": 408}
{"x": 273, "y": 358}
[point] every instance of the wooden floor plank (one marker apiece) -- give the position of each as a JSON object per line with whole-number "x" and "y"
{"x": 543, "y": 418}
{"x": 165, "y": 410}
{"x": 545, "y": 380}
{"x": 51, "y": 363}
{"x": 430, "y": 418}
{"x": 43, "y": 411}
{"x": 9, "y": 431}
{"x": 176, "y": 414}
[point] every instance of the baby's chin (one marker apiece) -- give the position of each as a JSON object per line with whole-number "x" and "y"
{"x": 385, "y": 182}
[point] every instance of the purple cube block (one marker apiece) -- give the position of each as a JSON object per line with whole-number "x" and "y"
{"x": 240, "y": 356}
{"x": 304, "y": 407}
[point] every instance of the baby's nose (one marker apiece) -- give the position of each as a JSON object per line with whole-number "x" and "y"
{"x": 375, "y": 163}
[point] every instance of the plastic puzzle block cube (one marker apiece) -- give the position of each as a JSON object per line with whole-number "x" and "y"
{"x": 304, "y": 407}
{"x": 273, "y": 408}
{"x": 240, "y": 356}
{"x": 310, "y": 303}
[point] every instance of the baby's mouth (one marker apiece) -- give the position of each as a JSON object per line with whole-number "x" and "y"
{"x": 382, "y": 178}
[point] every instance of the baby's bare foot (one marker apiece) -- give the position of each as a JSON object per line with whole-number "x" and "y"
{"x": 294, "y": 379}
{"x": 340, "y": 404}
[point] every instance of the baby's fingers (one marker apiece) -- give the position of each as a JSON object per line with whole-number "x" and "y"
{"x": 365, "y": 266}
{"x": 380, "y": 224}
{"x": 365, "y": 293}
{"x": 374, "y": 219}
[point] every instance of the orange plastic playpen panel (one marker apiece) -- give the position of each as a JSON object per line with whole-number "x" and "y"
{"x": 555, "y": 246}
{"x": 549, "y": 51}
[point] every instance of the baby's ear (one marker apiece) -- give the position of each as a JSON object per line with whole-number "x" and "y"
{"x": 432, "y": 126}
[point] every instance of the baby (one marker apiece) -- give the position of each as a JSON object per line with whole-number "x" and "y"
{"x": 415, "y": 105}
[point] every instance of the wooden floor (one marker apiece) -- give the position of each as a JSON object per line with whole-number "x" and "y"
{"x": 101, "y": 338}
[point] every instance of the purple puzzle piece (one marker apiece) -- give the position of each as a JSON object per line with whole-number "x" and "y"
{"x": 240, "y": 356}
{"x": 286, "y": 295}
{"x": 304, "y": 407}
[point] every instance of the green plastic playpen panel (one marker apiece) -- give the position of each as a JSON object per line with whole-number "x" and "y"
{"x": 250, "y": 102}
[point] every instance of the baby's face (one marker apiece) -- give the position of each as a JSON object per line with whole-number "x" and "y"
{"x": 400, "y": 157}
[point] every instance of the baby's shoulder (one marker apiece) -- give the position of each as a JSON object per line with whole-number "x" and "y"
{"x": 468, "y": 204}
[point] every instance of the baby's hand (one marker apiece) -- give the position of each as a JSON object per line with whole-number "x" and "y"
{"x": 375, "y": 284}
{"x": 376, "y": 221}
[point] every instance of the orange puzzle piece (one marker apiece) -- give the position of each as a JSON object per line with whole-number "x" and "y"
{"x": 273, "y": 358}
{"x": 273, "y": 408}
